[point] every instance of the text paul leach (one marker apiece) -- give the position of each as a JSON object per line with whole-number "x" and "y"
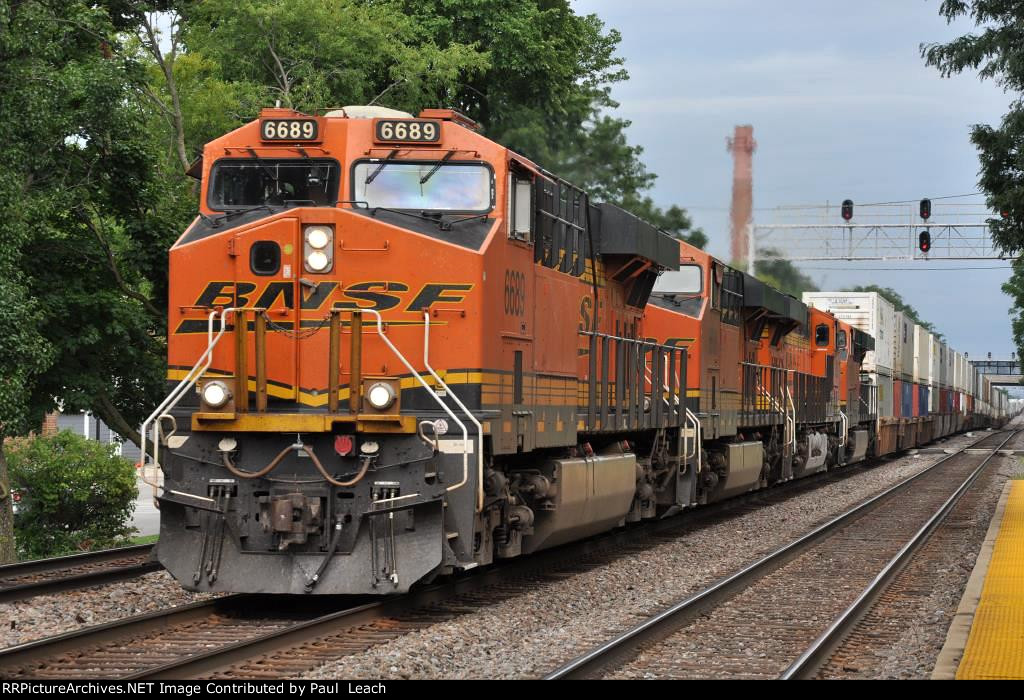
{"x": 189, "y": 689}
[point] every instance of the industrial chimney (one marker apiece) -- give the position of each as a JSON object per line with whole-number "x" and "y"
{"x": 742, "y": 146}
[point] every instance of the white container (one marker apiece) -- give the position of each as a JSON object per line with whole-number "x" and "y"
{"x": 958, "y": 372}
{"x": 903, "y": 348}
{"x": 872, "y": 314}
{"x": 936, "y": 353}
{"x": 950, "y": 375}
{"x": 922, "y": 341}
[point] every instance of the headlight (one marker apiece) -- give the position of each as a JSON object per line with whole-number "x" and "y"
{"x": 318, "y": 237}
{"x": 317, "y": 261}
{"x": 216, "y": 394}
{"x": 380, "y": 396}
{"x": 318, "y": 247}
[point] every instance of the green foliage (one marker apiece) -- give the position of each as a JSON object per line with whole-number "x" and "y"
{"x": 996, "y": 51}
{"x": 1014, "y": 287}
{"x": 533, "y": 73}
{"x": 77, "y": 495}
{"x": 894, "y": 298}
{"x": 80, "y": 198}
{"x": 314, "y": 54}
{"x": 783, "y": 275}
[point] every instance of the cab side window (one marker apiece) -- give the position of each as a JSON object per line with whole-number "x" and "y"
{"x": 520, "y": 208}
{"x": 821, "y": 335}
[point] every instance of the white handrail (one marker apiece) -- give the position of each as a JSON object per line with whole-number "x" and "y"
{"x": 691, "y": 416}
{"x": 449, "y": 392}
{"x": 845, "y": 428}
{"x": 433, "y": 394}
{"x": 193, "y": 375}
{"x": 791, "y": 421}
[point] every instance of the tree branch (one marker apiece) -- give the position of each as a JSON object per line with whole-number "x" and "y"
{"x": 103, "y": 407}
{"x": 112, "y": 264}
{"x": 151, "y": 42}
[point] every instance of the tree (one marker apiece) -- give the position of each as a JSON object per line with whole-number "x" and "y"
{"x": 81, "y": 210}
{"x": 997, "y": 53}
{"x": 782, "y": 274}
{"x": 533, "y": 73}
{"x": 1014, "y": 288}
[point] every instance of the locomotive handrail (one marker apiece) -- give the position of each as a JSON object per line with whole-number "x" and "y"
{"x": 449, "y": 392}
{"x": 200, "y": 367}
{"x": 433, "y": 395}
{"x": 697, "y": 442}
{"x": 846, "y": 427}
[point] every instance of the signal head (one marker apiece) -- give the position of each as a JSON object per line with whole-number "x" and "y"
{"x": 925, "y": 209}
{"x": 924, "y": 241}
{"x": 847, "y": 209}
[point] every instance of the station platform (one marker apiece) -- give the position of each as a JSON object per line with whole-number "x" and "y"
{"x": 986, "y": 639}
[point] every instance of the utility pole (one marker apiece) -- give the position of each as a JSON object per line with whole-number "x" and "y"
{"x": 742, "y": 147}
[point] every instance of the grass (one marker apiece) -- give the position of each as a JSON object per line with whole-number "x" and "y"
{"x": 150, "y": 539}
{"x": 1019, "y": 474}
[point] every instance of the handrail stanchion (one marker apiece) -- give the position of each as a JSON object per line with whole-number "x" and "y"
{"x": 432, "y": 393}
{"x": 333, "y": 360}
{"x": 472, "y": 418}
{"x": 260, "y": 357}
{"x": 355, "y": 382}
{"x": 201, "y": 365}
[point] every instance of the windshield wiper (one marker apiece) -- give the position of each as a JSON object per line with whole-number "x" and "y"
{"x": 214, "y": 223}
{"x": 437, "y": 166}
{"x": 373, "y": 176}
{"x": 374, "y": 210}
{"x": 262, "y": 164}
{"x": 239, "y": 212}
{"x": 447, "y": 225}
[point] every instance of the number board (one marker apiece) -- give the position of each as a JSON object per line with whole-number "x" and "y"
{"x": 406, "y": 131}
{"x": 289, "y": 130}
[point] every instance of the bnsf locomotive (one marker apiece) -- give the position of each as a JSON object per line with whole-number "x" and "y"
{"x": 398, "y": 350}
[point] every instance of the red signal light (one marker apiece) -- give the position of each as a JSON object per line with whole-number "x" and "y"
{"x": 924, "y": 241}
{"x": 847, "y": 209}
{"x": 925, "y": 209}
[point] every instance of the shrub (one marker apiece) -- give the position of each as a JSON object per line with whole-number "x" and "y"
{"x": 76, "y": 495}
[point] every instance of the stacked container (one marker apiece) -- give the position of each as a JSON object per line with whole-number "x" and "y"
{"x": 922, "y": 346}
{"x": 903, "y": 367}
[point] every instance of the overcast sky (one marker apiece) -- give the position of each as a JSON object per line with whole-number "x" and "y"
{"x": 842, "y": 106}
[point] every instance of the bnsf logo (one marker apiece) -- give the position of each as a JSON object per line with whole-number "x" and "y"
{"x": 379, "y": 296}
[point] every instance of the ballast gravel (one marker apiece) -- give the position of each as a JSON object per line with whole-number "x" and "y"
{"x": 47, "y": 615}
{"x": 534, "y": 633}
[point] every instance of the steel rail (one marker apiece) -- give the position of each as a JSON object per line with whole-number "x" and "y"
{"x": 208, "y": 661}
{"x": 20, "y": 590}
{"x": 821, "y": 649}
{"x": 657, "y": 627}
{"x": 211, "y": 660}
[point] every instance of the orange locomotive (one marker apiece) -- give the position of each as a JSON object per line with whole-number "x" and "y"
{"x": 398, "y": 349}
{"x": 775, "y": 385}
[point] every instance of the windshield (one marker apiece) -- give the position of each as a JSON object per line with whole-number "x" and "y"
{"x": 433, "y": 186}
{"x": 251, "y": 182}
{"x": 688, "y": 279}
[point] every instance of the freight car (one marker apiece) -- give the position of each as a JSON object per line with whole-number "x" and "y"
{"x": 926, "y": 389}
{"x": 398, "y": 349}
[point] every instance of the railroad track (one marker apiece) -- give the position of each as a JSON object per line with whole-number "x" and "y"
{"x": 236, "y": 637}
{"x": 784, "y": 615}
{"x": 56, "y": 574}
